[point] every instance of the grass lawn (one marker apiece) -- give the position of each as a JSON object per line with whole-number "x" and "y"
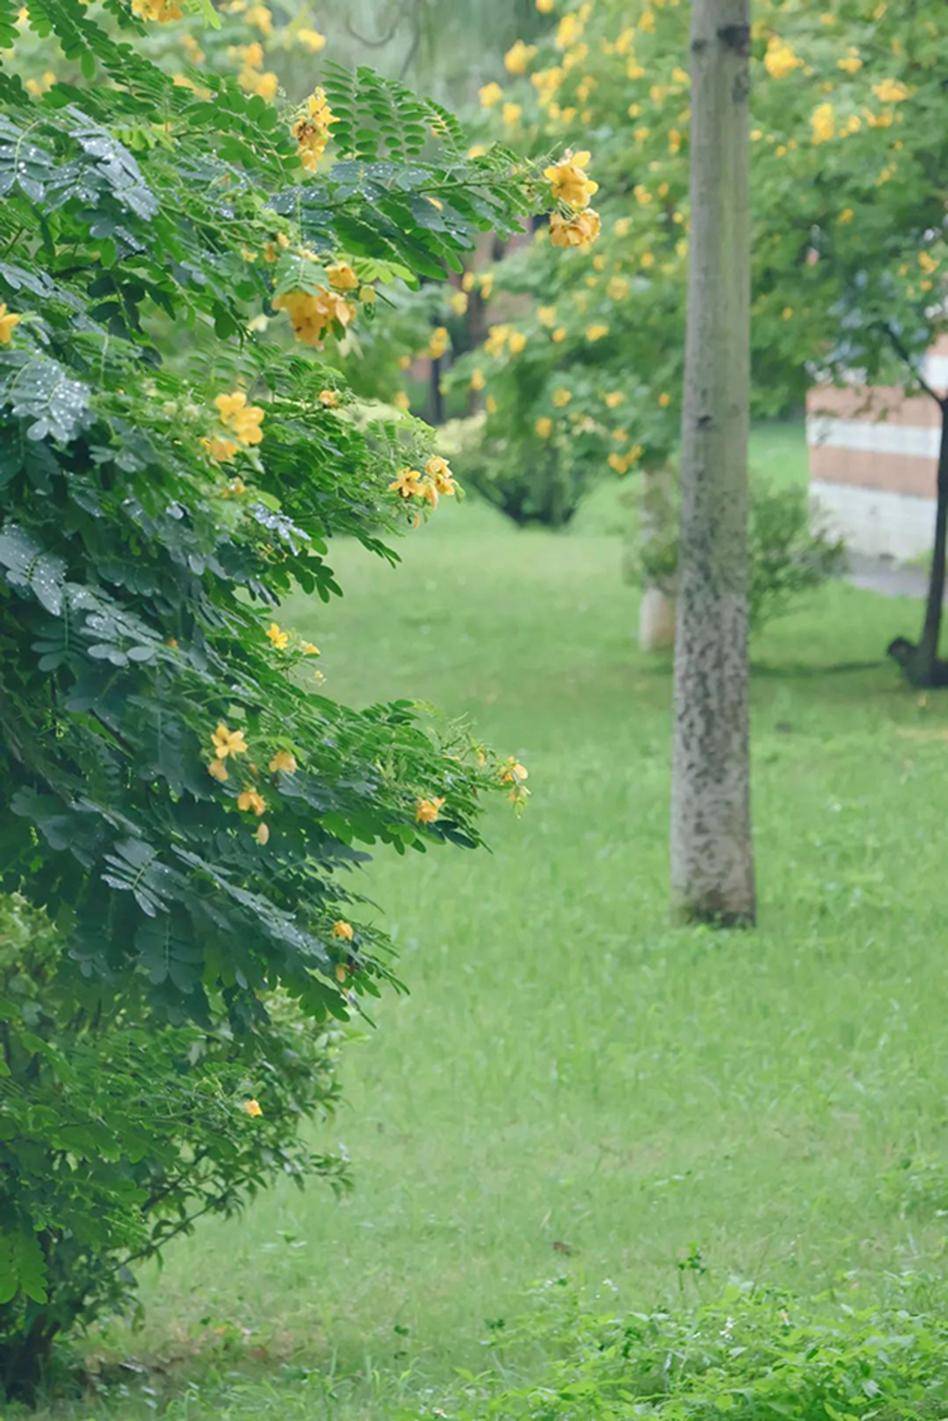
{"x": 574, "y": 1085}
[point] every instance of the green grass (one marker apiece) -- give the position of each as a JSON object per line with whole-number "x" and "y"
{"x": 574, "y": 1085}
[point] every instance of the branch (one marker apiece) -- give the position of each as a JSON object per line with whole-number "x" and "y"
{"x": 940, "y": 400}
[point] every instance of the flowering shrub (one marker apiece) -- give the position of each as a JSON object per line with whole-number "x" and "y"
{"x": 182, "y": 802}
{"x": 582, "y": 368}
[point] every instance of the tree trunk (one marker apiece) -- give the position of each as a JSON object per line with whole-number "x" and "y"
{"x": 921, "y": 663}
{"x": 711, "y": 847}
{"x": 656, "y": 515}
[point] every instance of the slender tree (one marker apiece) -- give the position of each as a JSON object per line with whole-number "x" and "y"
{"x": 711, "y": 847}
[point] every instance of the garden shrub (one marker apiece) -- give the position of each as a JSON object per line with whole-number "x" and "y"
{"x": 183, "y": 802}
{"x": 749, "y": 1355}
{"x": 790, "y": 550}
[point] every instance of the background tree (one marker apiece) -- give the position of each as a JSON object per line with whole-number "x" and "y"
{"x": 848, "y": 152}
{"x": 712, "y": 862}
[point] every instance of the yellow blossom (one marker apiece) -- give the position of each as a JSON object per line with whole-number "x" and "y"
{"x": 490, "y": 95}
{"x": 518, "y": 57}
{"x": 890, "y": 91}
{"x": 278, "y": 636}
{"x": 261, "y": 19}
{"x": 559, "y": 335}
{"x": 569, "y": 181}
{"x": 439, "y": 472}
{"x": 439, "y": 342}
{"x": 235, "y": 414}
{"x": 544, "y": 426}
{"x": 252, "y": 1108}
{"x": 311, "y": 40}
{"x": 617, "y": 288}
{"x": 250, "y": 800}
{"x": 613, "y": 399}
{"x": 222, "y": 451}
{"x": 486, "y": 285}
{"x": 401, "y": 400}
{"x": 329, "y": 399}
{"x": 342, "y": 277}
{"x": 850, "y": 63}
{"x": 511, "y": 114}
{"x": 218, "y": 771}
{"x": 343, "y": 930}
{"x": 491, "y": 405}
{"x": 427, "y": 811}
{"x": 228, "y": 742}
{"x": 780, "y": 60}
{"x": 546, "y": 315}
{"x": 459, "y": 302}
{"x": 309, "y": 648}
{"x": 562, "y": 397}
{"x": 478, "y": 380}
{"x": 9, "y": 320}
{"x": 314, "y": 313}
{"x": 517, "y": 342}
{"x": 407, "y": 484}
{"x": 596, "y": 332}
{"x": 823, "y": 123}
{"x": 513, "y": 772}
{"x": 545, "y": 7}
{"x": 312, "y": 130}
{"x": 262, "y": 834}
{"x": 578, "y": 231}
{"x": 664, "y": 399}
{"x": 846, "y": 215}
{"x": 284, "y": 761}
{"x": 161, "y": 11}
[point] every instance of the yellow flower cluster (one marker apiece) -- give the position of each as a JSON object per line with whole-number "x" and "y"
{"x": 572, "y": 187}
{"x": 436, "y": 480}
{"x": 312, "y": 130}
{"x": 504, "y": 337}
{"x": 439, "y": 342}
{"x": 515, "y": 775}
{"x": 9, "y": 320}
{"x": 311, "y": 40}
{"x": 161, "y": 11}
{"x": 823, "y": 123}
{"x": 428, "y": 811}
{"x": 622, "y": 463}
{"x": 252, "y": 78}
{"x": 780, "y": 60}
{"x": 245, "y": 420}
{"x": 519, "y": 57}
{"x": 314, "y": 313}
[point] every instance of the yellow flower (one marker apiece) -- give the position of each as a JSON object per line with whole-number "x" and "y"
{"x": 161, "y": 11}
{"x": 278, "y": 636}
{"x": 513, "y": 772}
{"x": 823, "y": 123}
{"x": 311, "y": 40}
{"x": 559, "y": 335}
{"x": 342, "y": 277}
{"x": 596, "y": 332}
{"x": 517, "y": 342}
{"x": 569, "y": 181}
{"x": 260, "y": 17}
{"x": 9, "y": 321}
{"x": 890, "y": 91}
{"x": 245, "y": 420}
{"x": 780, "y": 60}
{"x": 518, "y": 57}
{"x": 309, "y": 648}
{"x": 439, "y": 472}
{"x": 459, "y": 302}
{"x": 491, "y": 405}
{"x": 284, "y": 761}
{"x": 579, "y": 231}
{"x": 262, "y": 834}
{"x": 312, "y": 130}
{"x": 618, "y": 288}
{"x": 401, "y": 400}
{"x": 314, "y": 313}
{"x": 343, "y": 930}
{"x": 545, "y": 7}
{"x": 787, "y": 313}
{"x": 664, "y": 400}
{"x": 622, "y": 227}
{"x": 407, "y": 484}
{"x": 511, "y": 114}
{"x": 427, "y": 811}
{"x": 264, "y": 85}
{"x": 252, "y": 1108}
{"x": 249, "y": 799}
{"x": 618, "y": 463}
{"x": 486, "y": 285}
{"x": 368, "y": 295}
{"x": 562, "y": 397}
{"x": 439, "y": 342}
{"x": 613, "y": 399}
{"x": 329, "y": 399}
{"x": 490, "y": 95}
{"x": 927, "y": 262}
{"x": 228, "y": 742}
{"x": 846, "y": 215}
{"x": 477, "y": 380}
{"x": 850, "y": 63}
{"x": 218, "y": 771}
{"x": 544, "y": 426}
{"x": 568, "y": 31}
{"x": 546, "y": 315}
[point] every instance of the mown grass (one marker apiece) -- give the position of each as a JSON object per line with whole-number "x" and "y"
{"x": 574, "y": 1086}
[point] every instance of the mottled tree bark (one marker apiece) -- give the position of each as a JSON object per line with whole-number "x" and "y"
{"x": 711, "y": 846}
